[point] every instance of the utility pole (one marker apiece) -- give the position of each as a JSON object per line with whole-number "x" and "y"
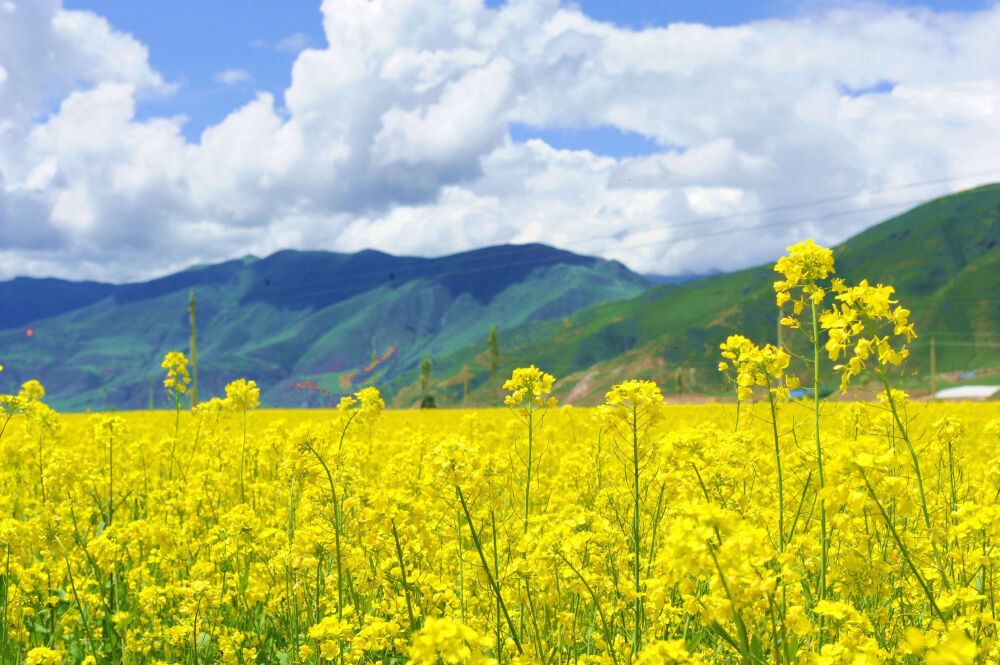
{"x": 933, "y": 369}
{"x": 194, "y": 358}
{"x": 465, "y": 375}
{"x": 150, "y": 391}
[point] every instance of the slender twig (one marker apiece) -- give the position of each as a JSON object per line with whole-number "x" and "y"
{"x": 402, "y": 571}
{"x": 486, "y": 567}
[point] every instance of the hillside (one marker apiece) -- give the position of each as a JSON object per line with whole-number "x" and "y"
{"x": 304, "y": 325}
{"x": 943, "y": 257}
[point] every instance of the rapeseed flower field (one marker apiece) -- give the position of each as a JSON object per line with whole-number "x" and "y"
{"x": 767, "y": 530}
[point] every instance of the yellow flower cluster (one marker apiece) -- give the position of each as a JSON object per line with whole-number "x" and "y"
{"x": 529, "y": 385}
{"x": 370, "y": 403}
{"x": 444, "y": 640}
{"x": 757, "y": 366}
{"x": 632, "y": 406}
{"x": 176, "y": 383}
{"x": 44, "y": 656}
{"x": 867, "y": 323}
{"x": 805, "y": 265}
{"x": 31, "y": 391}
{"x": 242, "y": 395}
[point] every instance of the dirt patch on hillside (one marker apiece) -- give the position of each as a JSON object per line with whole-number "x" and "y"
{"x": 580, "y": 390}
{"x": 694, "y": 399}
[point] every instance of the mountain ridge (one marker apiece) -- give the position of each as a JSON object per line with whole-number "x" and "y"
{"x": 291, "y": 318}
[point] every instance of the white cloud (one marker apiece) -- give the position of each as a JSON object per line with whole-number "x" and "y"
{"x": 292, "y": 43}
{"x": 233, "y": 76}
{"x": 395, "y": 136}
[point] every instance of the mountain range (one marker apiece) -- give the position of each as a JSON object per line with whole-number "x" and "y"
{"x": 309, "y": 326}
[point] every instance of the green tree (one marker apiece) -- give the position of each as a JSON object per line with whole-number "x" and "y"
{"x": 425, "y": 382}
{"x": 493, "y": 344}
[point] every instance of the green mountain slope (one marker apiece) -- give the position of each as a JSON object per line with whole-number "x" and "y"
{"x": 943, "y": 257}
{"x": 304, "y": 325}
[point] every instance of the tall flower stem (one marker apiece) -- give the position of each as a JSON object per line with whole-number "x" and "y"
{"x": 903, "y": 551}
{"x": 402, "y": 572}
{"x": 824, "y": 545}
{"x": 243, "y": 456}
{"x": 637, "y": 635}
{"x": 883, "y": 372}
{"x": 527, "y": 482}
{"x": 486, "y": 568}
{"x": 781, "y": 509}
{"x": 777, "y": 463}
{"x": 336, "y": 531}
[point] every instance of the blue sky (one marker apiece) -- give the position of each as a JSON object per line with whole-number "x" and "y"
{"x": 191, "y": 41}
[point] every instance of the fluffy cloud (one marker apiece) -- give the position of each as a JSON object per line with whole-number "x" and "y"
{"x": 233, "y": 76}
{"x": 395, "y": 136}
{"x": 292, "y": 43}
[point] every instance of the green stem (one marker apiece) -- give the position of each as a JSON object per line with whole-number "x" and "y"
{"x": 486, "y": 567}
{"x": 781, "y": 514}
{"x": 336, "y": 531}
{"x": 461, "y": 566}
{"x": 883, "y": 372}
{"x": 243, "y": 456}
{"x": 738, "y": 617}
{"x": 173, "y": 444}
{"x": 402, "y": 571}
{"x": 496, "y": 575}
{"x": 777, "y": 461}
{"x": 903, "y": 550}
{"x": 608, "y": 636}
{"x": 76, "y": 596}
{"x": 637, "y": 635}
{"x": 527, "y": 483}
{"x": 6, "y": 599}
{"x": 824, "y": 545}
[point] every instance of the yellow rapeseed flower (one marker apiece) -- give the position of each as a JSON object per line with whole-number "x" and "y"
{"x": 529, "y": 384}
{"x": 44, "y": 656}
{"x": 444, "y": 640}
{"x": 31, "y": 391}
{"x": 243, "y": 395}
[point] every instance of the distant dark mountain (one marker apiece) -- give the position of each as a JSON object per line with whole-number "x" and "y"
{"x": 26, "y": 299}
{"x": 305, "y": 325}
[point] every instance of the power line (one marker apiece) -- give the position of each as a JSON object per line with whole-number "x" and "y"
{"x": 299, "y": 293}
{"x": 431, "y": 270}
{"x": 804, "y": 204}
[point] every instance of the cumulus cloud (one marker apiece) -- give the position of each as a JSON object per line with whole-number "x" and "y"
{"x": 396, "y": 136}
{"x": 292, "y": 43}
{"x": 233, "y": 76}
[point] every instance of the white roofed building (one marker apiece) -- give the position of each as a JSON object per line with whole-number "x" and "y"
{"x": 969, "y": 393}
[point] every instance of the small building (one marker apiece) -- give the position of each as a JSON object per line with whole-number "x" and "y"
{"x": 969, "y": 393}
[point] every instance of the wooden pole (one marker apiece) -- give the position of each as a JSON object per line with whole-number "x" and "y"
{"x": 194, "y": 358}
{"x": 933, "y": 369}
